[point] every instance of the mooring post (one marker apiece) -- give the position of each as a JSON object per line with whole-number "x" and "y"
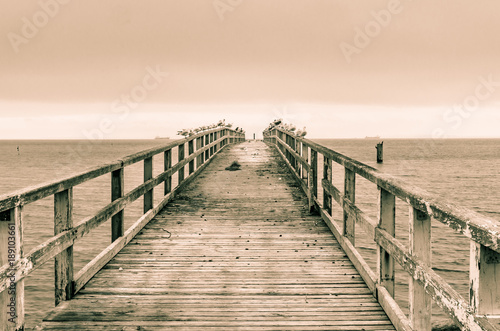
{"x": 380, "y": 152}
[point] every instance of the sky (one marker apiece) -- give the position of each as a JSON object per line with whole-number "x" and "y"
{"x": 114, "y": 69}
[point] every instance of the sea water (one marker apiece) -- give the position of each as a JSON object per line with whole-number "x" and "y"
{"x": 464, "y": 171}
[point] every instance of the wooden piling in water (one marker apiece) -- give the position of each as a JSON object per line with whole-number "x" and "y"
{"x": 380, "y": 152}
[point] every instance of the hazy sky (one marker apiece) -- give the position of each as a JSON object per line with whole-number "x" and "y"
{"x": 137, "y": 69}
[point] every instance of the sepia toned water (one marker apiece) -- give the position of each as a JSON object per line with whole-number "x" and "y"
{"x": 466, "y": 172}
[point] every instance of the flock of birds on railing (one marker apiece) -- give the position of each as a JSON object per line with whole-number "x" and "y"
{"x": 220, "y": 124}
{"x": 290, "y": 128}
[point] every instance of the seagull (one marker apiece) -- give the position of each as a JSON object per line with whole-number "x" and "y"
{"x": 302, "y": 133}
{"x": 183, "y": 132}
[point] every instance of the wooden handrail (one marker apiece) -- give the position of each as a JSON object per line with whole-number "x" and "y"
{"x": 60, "y": 246}
{"x": 425, "y": 284}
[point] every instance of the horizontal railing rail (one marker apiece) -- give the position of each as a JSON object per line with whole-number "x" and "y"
{"x": 15, "y": 266}
{"x": 301, "y": 156}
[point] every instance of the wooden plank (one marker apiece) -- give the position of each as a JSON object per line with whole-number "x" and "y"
{"x": 420, "y": 248}
{"x": 327, "y": 176}
{"x": 349, "y": 228}
{"x": 63, "y": 262}
{"x": 387, "y": 221}
{"x": 358, "y": 261}
{"x": 484, "y": 276}
{"x": 180, "y": 157}
{"x": 117, "y": 191}
{"x": 313, "y": 184}
{"x": 391, "y": 307}
{"x": 148, "y": 174}
{"x": 191, "y": 151}
{"x": 167, "y": 164}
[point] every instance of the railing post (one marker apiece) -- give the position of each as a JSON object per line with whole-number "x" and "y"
{"x": 207, "y": 152}
{"x": 305, "y": 154}
{"x": 11, "y": 238}
{"x": 211, "y": 141}
{"x": 313, "y": 180}
{"x": 294, "y": 148}
{"x": 198, "y": 147}
{"x": 327, "y": 175}
{"x": 167, "y": 164}
{"x": 484, "y": 277}
{"x": 117, "y": 191}
{"x": 298, "y": 149}
{"x": 420, "y": 248}
{"x": 350, "y": 195}
{"x": 215, "y": 146}
{"x": 191, "y": 151}
{"x": 387, "y": 222}
{"x": 180, "y": 157}
{"x": 148, "y": 174}
{"x": 63, "y": 263}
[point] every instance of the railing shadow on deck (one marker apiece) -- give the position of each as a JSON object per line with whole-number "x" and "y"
{"x": 301, "y": 156}
{"x": 15, "y": 265}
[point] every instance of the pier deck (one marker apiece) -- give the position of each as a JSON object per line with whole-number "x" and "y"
{"x": 234, "y": 250}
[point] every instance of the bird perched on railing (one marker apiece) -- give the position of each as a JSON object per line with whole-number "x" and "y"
{"x": 229, "y": 125}
{"x": 183, "y": 132}
{"x": 301, "y": 133}
{"x": 221, "y": 123}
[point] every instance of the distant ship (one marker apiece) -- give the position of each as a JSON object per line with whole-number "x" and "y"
{"x": 375, "y": 137}
{"x": 158, "y": 137}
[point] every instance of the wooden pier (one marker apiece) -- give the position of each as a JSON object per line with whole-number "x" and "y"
{"x": 235, "y": 249}
{"x": 252, "y": 249}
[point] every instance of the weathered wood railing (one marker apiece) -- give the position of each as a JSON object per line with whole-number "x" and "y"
{"x": 15, "y": 265}
{"x": 301, "y": 156}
